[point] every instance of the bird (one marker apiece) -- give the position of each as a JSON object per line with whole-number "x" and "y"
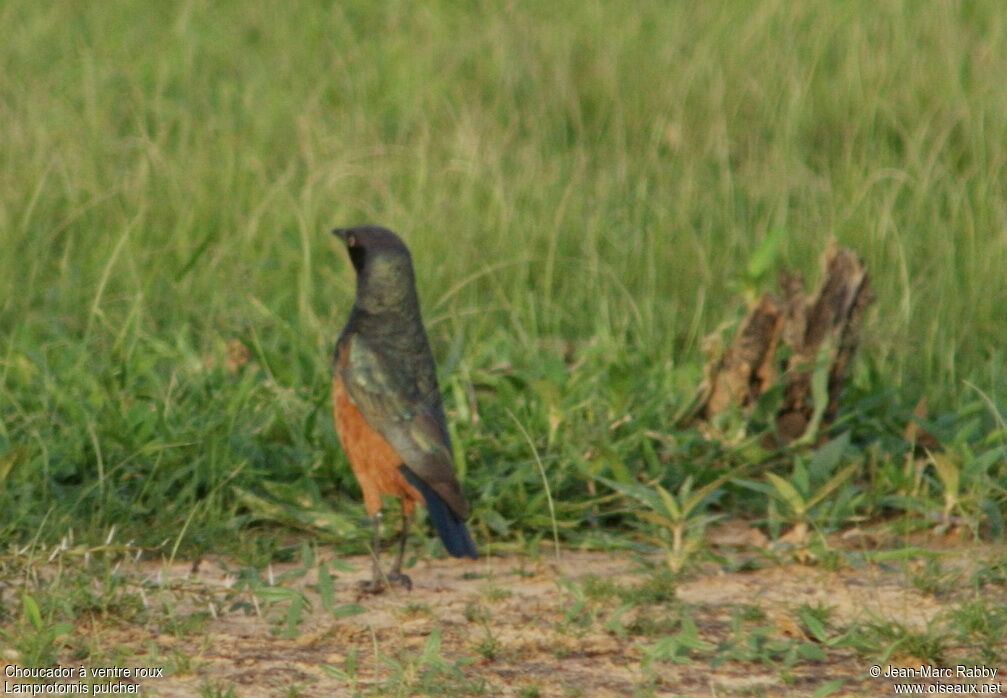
{"x": 387, "y": 404}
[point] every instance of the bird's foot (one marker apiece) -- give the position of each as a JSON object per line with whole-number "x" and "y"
{"x": 380, "y": 585}
{"x": 370, "y": 586}
{"x": 399, "y": 579}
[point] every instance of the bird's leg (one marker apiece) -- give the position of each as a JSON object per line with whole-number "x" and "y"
{"x": 377, "y": 582}
{"x": 395, "y": 576}
{"x": 380, "y": 581}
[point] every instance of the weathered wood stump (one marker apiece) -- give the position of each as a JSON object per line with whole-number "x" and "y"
{"x": 816, "y": 336}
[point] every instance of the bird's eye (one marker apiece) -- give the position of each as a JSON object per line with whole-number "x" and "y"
{"x": 351, "y": 240}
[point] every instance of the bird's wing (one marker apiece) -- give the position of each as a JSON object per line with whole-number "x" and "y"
{"x": 400, "y": 400}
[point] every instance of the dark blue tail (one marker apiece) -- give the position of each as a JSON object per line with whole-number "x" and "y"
{"x": 450, "y": 527}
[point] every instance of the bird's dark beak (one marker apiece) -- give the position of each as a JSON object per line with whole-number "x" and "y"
{"x": 340, "y": 233}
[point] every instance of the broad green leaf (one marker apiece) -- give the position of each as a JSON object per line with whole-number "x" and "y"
{"x": 787, "y": 492}
{"x": 813, "y": 624}
{"x": 61, "y": 629}
{"x": 336, "y": 673}
{"x": 307, "y": 555}
{"x": 799, "y": 478}
{"x": 646, "y": 495}
{"x": 656, "y": 518}
{"x": 704, "y": 491}
{"x": 947, "y": 470}
{"x": 671, "y": 506}
{"x": 348, "y": 609}
{"x": 827, "y": 457}
{"x": 275, "y": 594}
{"x": 342, "y": 565}
{"x": 431, "y": 648}
{"x": 811, "y": 652}
{"x": 828, "y": 688}
{"x": 294, "y": 615}
{"x": 31, "y": 610}
{"x": 837, "y": 480}
{"x": 764, "y": 256}
{"x": 325, "y": 592}
{"x": 819, "y": 390}
{"x": 495, "y": 521}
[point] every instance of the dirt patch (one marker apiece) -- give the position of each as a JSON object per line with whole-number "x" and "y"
{"x": 585, "y": 625}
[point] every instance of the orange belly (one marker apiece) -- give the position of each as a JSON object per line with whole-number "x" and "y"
{"x": 374, "y": 462}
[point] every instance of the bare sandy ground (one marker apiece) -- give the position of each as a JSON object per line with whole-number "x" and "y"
{"x": 502, "y": 622}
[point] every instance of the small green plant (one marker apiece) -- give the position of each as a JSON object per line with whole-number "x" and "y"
{"x": 991, "y": 573}
{"x": 178, "y": 663}
{"x": 476, "y": 613}
{"x": 885, "y": 639}
{"x": 933, "y": 579}
{"x": 764, "y": 644}
{"x": 488, "y": 646}
{"x": 216, "y": 689}
{"x": 681, "y": 517}
{"x": 181, "y": 625}
{"x": 649, "y": 624}
{"x": 682, "y": 647}
{"x": 579, "y": 613}
{"x": 38, "y": 637}
{"x": 495, "y": 593}
{"x": 428, "y": 672}
{"x": 599, "y": 588}
{"x": 796, "y": 500}
{"x": 814, "y": 619}
{"x": 749, "y": 612}
{"x": 949, "y": 474}
{"x": 980, "y": 624}
{"x": 658, "y": 587}
{"x": 349, "y": 674}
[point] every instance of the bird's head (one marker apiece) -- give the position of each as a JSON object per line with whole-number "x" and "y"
{"x": 384, "y": 267}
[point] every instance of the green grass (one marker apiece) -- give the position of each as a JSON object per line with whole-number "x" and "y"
{"x": 582, "y": 187}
